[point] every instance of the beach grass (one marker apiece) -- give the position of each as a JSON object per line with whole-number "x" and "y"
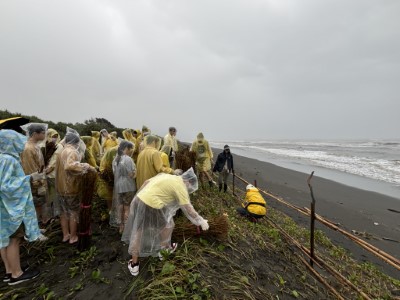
{"x": 255, "y": 261}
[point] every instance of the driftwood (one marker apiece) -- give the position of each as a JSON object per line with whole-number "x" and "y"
{"x": 84, "y": 228}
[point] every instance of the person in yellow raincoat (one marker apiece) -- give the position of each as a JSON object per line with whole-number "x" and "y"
{"x": 108, "y": 141}
{"x": 51, "y": 152}
{"x": 106, "y": 179}
{"x": 114, "y": 134}
{"x": 254, "y": 206}
{"x": 96, "y": 147}
{"x": 89, "y": 157}
{"x": 149, "y": 162}
{"x": 204, "y": 157}
{"x": 32, "y": 161}
{"x": 137, "y": 135}
{"x": 166, "y": 152}
{"x": 128, "y": 135}
{"x": 170, "y": 140}
{"x": 140, "y": 139}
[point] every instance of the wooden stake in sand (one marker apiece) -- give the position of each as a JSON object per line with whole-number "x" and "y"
{"x": 312, "y": 226}
{"x": 87, "y": 192}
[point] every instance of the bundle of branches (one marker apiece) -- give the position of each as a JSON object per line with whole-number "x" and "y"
{"x": 185, "y": 159}
{"x": 219, "y": 227}
{"x": 87, "y": 192}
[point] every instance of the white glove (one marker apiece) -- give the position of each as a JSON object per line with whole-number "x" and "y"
{"x": 178, "y": 172}
{"x": 204, "y": 225}
{"x": 38, "y": 176}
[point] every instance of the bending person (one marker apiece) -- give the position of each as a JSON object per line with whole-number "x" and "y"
{"x": 150, "y": 222}
{"x": 254, "y": 206}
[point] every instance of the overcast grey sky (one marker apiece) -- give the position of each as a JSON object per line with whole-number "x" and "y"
{"x": 234, "y": 69}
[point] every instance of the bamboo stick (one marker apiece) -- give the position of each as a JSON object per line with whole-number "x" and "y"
{"x": 320, "y": 263}
{"x": 312, "y": 221}
{"x": 374, "y": 250}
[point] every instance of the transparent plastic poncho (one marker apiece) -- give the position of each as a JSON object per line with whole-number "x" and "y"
{"x": 30, "y": 128}
{"x": 124, "y": 188}
{"x": 69, "y": 169}
{"x": 149, "y": 229}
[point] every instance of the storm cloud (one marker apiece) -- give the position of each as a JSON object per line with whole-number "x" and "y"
{"x": 233, "y": 69}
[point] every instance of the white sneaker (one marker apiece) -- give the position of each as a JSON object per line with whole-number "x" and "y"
{"x": 133, "y": 268}
{"x": 42, "y": 238}
{"x": 168, "y": 251}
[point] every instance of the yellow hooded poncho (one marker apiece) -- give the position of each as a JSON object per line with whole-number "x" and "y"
{"x": 96, "y": 147}
{"x": 89, "y": 157}
{"x": 203, "y": 152}
{"x": 254, "y": 202}
{"x": 149, "y": 162}
{"x": 165, "y": 151}
{"x": 106, "y": 179}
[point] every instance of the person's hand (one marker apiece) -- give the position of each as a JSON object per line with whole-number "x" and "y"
{"x": 38, "y": 176}
{"x": 204, "y": 225}
{"x": 178, "y": 172}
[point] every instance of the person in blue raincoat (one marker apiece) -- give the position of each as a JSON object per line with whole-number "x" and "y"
{"x": 17, "y": 211}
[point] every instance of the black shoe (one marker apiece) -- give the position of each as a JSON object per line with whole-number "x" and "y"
{"x": 225, "y": 187}
{"x": 219, "y": 187}
{"x": 7, "y": 276}
{"x": 27, "y": 275}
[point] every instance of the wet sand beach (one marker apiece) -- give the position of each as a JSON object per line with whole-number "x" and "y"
{"x": 352, "y": 208}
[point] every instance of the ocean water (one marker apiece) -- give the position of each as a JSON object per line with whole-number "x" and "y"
{"x": 367, "y": 164}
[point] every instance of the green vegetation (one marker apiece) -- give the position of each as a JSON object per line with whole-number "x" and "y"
{"x": 254, "y": 262}
{"x": 85, "y": 128}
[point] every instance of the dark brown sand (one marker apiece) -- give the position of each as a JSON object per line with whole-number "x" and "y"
{"x": 352, "y": 208}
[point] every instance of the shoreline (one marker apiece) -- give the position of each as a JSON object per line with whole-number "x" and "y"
{"x": 350, "y": 179}
{"x": 352, "y": 208}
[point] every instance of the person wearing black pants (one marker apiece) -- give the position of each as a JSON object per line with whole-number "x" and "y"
{"x": 224, "y": 166}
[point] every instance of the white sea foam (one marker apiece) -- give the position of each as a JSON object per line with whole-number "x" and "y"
{"x": 379, "y": 160}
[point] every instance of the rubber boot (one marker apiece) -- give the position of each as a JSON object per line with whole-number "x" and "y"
{"x": 225, "y": 187}
{"x": 220, "y": 187}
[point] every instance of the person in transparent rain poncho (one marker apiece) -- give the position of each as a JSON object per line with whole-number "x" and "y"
{"x": 150, "y": 222}
{"x": 69, "y": 169}
{"x": 124, "y": 170}
{"x": 17, "y": 212}
{"x": 32, "y": 162}
{"x": 51, "y": 151}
